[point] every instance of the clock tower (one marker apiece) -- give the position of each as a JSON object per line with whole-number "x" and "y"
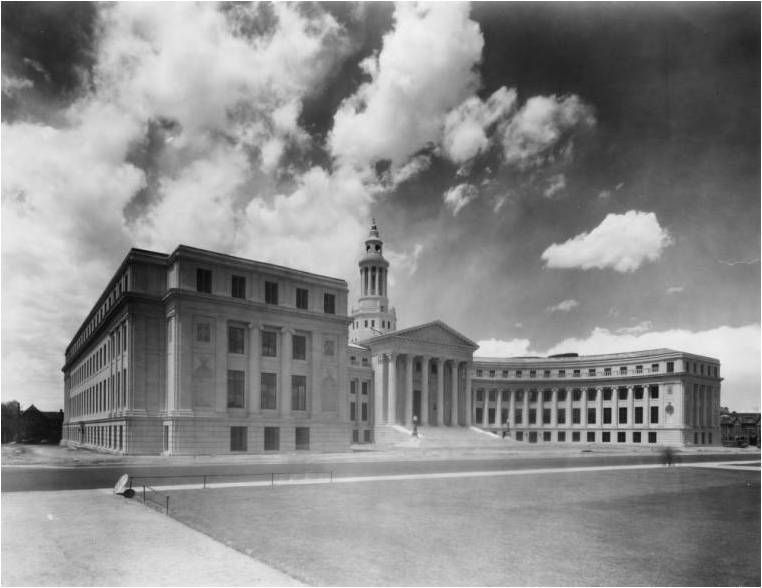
{"x": 372, "y": 316}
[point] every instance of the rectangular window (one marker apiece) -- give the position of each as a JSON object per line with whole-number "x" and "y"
{"x": 364, "y": 362}
{"x": 607, "y": 394}
{"x": 621, "y": 437}
{"x": 591, "y": 416}
{"x": 547, "y": 395}
{"x": 638, "y": 369}
{"x": 576, "y": 418}
{"x": 329, "y": 303}
{"x": 606, "y": 371}
{"x": 203, "y": 334}
{"x": 298, "y": 392}
{"x": 352, "y": 411}
{"x": 546, "y": 373}
{"x": 269, "y": 344}
{"x": 329, "y": 347}
{"x": 519, "y": 395}
{"x": 605, "y": 437}
{"x": 299, "y": 347}
{"x": 492, "y": 373}
{"x": 591, "y": 394}
{"x": 204, "y": 280}
{"x": 491, "y": 415}
{"x": 636, "y": 437}
{"x": 271, "y": 292}
{"x": 652, "y": 436}
{"x": 638, "y": 415}
{"x": 591, "y": 436}
{"x": 623, "y": 370}
{"x": 235, "y": 389}
{"x": 546, "y": 435}
{"x": 269, "y": 390}
{"x": 654, "y": 415}
{"x": 366, "y": 436}
{"x": 532, "y": 373}
{"x": 562, "y": 395}
{"x": 505, "y": 373}
{"x": 562, "y": 436}
{"x": 236, "y": 336}
{"x": 576, "y": 394}
{"x": 272, "y": 438}
{"x": 364, "y": 412}
{"x": 365, "y": 388}
{"x": 238, "y": 287}
{"x": 622, "y": 415}
{"x": 478, "y": 373}
{"x": 591, "y": 372}
{"x": 355, "y": 436}
{"x": 545, "y": 416}
{"x": 237, "y": 438}
{"x": 302, "y": 298}
{"x": 533, "y": 396}
{"x": 575, "y": 436}
{"x": 492, "y": 395}
{"x": 478, "y": 414}
{"x": 519, "y": 435}
{"x": 670, "y": 367}
{"x": 637, "y": 393}
{"x": 654, "y": 368}
{"x": 622, "y": 393}
{"x": 653, "y": 391}
{"x": 518, "y": 418}
{"x": 533, "y": 416}
{"x": 505, "y": 395}
{"x": 518, "y": 373}
{"x": 561, "y": 416}
{"x": 561, "y": 373}
{"x": 353, "y": 387}
{"x": 302, "y": 438}
{"x": 607, "y": 415}
{"x": 576, "y": 373}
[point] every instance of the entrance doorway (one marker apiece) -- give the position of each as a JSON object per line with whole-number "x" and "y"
{"x": 416, "y": 405}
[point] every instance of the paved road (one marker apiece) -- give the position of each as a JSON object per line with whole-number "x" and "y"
{"x": 25, "y": 478}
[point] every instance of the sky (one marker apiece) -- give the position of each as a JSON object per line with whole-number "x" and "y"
{"x": 547, "y": 177}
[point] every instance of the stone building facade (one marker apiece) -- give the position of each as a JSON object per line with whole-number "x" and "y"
{"x": 197, "y": 352}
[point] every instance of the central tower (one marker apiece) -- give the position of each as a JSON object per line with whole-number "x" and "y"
{"x": 372, "y": 316}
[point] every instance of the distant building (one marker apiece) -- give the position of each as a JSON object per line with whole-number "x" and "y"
{"x": 31, "y": 425}
{"x": 740, "y": 426}
{"x": 198, "y": 352}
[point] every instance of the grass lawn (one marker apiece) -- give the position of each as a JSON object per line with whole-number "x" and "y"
{"x": 663, "y": 527}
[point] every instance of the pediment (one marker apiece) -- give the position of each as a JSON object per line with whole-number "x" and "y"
{"x": 433, "y": 333}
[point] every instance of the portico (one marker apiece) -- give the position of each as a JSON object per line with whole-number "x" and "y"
{"x": 422, "y": 372}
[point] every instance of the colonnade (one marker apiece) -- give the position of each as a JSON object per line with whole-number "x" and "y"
{"x": 448, "y": 404}
{"x": 373, "y": 280}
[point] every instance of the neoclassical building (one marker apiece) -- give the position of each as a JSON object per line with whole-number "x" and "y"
{"x": 197, "y": 352}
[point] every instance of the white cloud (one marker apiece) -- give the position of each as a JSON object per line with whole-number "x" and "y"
{"x": 622, "y": 242}
{"x": 467, "y": 126}
{"x": 12, "y": 84}
{"x": 641, "y": 327}
{"x": 556, "y": 183}
{"x": 563, "y": 306}
{"x": 459, "y": 196}
{"x": 675, "y": 289}
{"x": 405, "y": 262}
{"x": 604, "y": 194}
{"x": 425, "y": 68}
{"x": 542, "y": 129}
{"x": 499, "y": 348}
{"x": 737, "y": 348}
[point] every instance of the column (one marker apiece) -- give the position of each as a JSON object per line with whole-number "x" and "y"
{"x": 440, "y": 391}
{"x": 554, "y": 407}
{"x": 378, "y": 389}
{"x": 499, "y": 408}
{"x": 469, "y": 393}
{"x": 615, "y": 407}
{"x": 485, "y": 409}
{"x": 599, "y": 406}
{"x": 254, "y": 402}
{"x": 314, "y": 398}
{"x": 511, "y": 406}
{"x": 454, "y": 395}
{"x": 285, "y": 372}
{"x": 646, "y": 407}
{"x": 583, "y": 408}
{"x": 525, "y": 411}
{"x": 392, "y": 397}
{"x": 410, "y": 362}
{"x": 423, "y": 418}
{"x": 630, "y": 405}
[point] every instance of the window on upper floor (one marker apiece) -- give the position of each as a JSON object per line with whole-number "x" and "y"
{"x": 329, "y": 303}
{"x": 653, "y": 391}
{"x": 492, "y": 373}
{"x": 654, "y": 368}
{"x": 547, "y": 395}
{"x": 365, "y": 362}
{"x": 518, "y": 373}
{"x": 203, "y": 280}
{"x": 576, "y": 373}
{"x": 236, "y": 338}
{"x": 299, "y": 345}
{"x": 271, "y": 292}
{"x": 238, "y": 287}
{"x": 505, "y": 373}
{"x": 561, "y": 394}
{"x": 269, "y": 344}
{"x": 606, "y": 371}
{"x": 576, "y": 394}
{"x": 532, "y": 373}
{"x": 670, "y": 367}
{"x": 638, "y": 393}
{"x": 235, "y": 389}
{"x": 623, "y": 371}
{"x": 561, "y": 373}
{"x": 546, "y": 373}
{"x": 591, "y": 372}
{"x": 638, "y": 369}
{"x": 302, "y": 298}
{"x": 203, "y": 334}
{"x": 478, "y": 373}
{"x": 365, "y": 387}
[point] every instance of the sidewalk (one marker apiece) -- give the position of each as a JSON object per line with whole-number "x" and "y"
{"x": 95, "y": 538}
